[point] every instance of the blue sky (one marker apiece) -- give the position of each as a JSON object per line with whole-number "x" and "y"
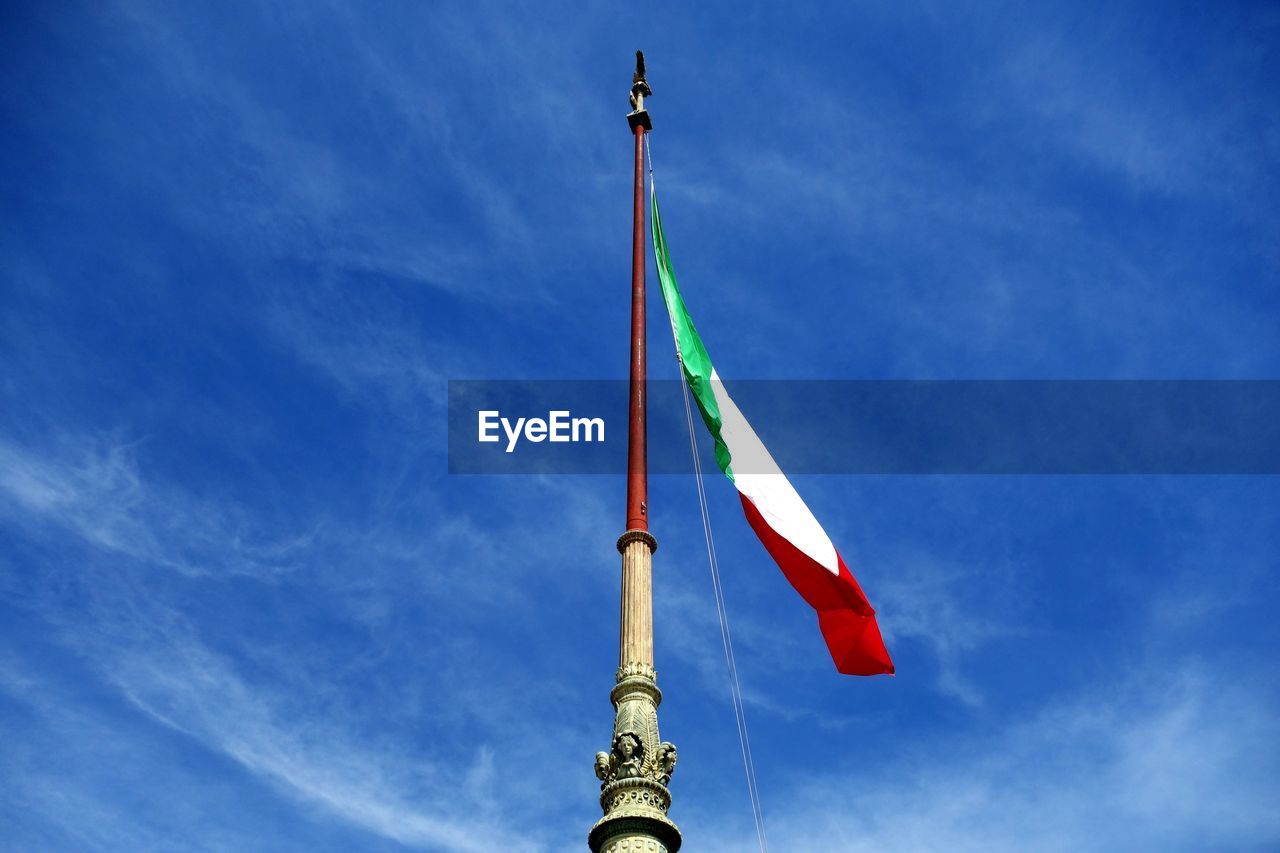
{"x": 243, "y": 606}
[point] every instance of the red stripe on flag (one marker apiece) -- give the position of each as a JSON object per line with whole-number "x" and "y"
{"x": 845, "y": 617}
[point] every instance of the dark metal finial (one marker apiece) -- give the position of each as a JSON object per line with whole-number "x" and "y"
{"x": 639, "y": 86}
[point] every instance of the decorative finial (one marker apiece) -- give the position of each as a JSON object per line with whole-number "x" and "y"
{"x": 639, "y": 86}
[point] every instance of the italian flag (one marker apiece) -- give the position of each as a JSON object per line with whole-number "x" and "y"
{"x": 786, "y": 527}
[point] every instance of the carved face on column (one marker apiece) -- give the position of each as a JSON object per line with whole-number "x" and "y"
{"x": 628, "y": 751}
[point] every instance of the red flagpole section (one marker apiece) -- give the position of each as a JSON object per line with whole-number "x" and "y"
{"x": 637, "y": 448}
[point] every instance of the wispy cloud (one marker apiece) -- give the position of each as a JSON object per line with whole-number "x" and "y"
{"x": 931, "y": 603}
{"x": 176, "y": 682}
{"x": 193, "y": 691}
{"x": 1174, "y": 760}
{"x": 297, "y": 734}
{"x": 1123, "y": 113}
{"x": 93, "y": 489}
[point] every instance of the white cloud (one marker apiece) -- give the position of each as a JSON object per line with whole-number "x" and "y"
{"x": 1172, "y": 760}
{"x": 92, "y": 488}
{"x": 406, "y": 798}
{"x": 299, "y": 729}
{"x": 932, "y": 602}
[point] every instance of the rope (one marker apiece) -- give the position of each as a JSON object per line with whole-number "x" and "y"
{"x": 717, "y": 586}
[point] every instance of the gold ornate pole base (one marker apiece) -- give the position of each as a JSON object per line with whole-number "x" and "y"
{"x": 636, "y": 770}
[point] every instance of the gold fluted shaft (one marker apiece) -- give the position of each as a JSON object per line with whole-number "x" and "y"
{"x": 635, "y": 637}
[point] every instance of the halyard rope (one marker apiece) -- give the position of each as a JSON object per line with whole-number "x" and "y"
{"x": 726, "y": 639}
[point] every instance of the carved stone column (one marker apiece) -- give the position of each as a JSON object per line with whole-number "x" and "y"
{"x": 636, "y": 770}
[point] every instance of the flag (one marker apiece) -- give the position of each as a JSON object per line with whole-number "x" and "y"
{"x": 786, "y": 527}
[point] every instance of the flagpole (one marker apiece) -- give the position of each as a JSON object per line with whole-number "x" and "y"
{"x": 636, "y": 770}
{"x": 637, "y": 445}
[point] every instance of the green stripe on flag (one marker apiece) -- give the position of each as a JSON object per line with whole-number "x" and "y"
{"x": 693, "y": 355}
